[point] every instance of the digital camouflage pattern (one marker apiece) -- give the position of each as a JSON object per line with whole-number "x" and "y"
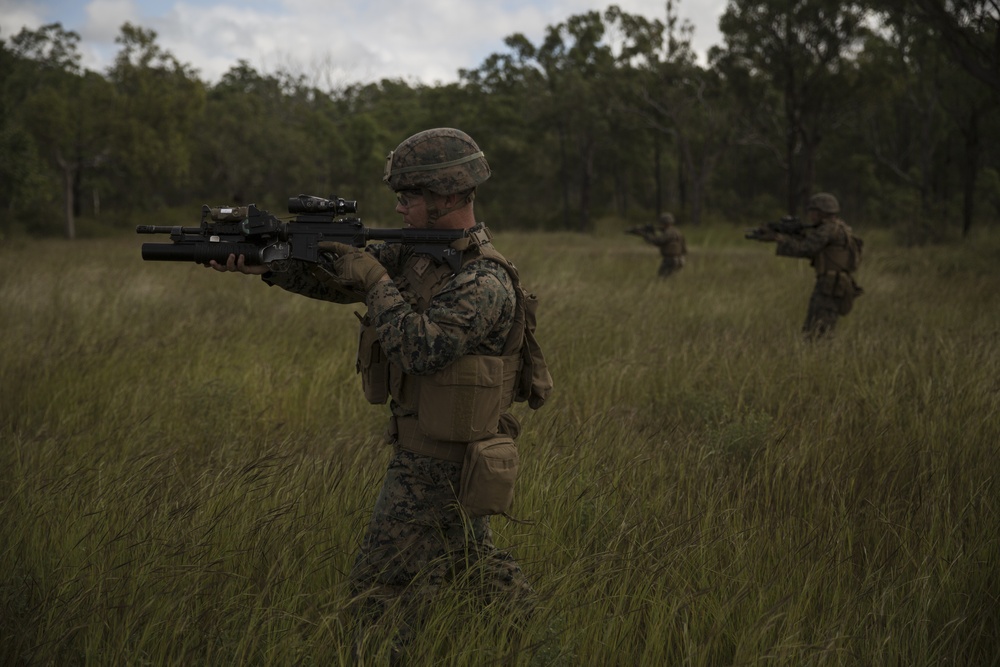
{"x": 672, "y": 246}
{"x": 471, "y": 313}
{"x": 417, "y": 538}
{"x": 824, "y": 202}
{"x": 316, "y": 281}
{"x": 443, "y": 160}
{"x": 825, "y": 245}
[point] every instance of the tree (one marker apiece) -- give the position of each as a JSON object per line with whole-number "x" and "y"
{"x": 969, "y": 32}
{"x": 802, "y": 51}
{"x": 513, "y": 99}
{"x": 160, "y": 101}
{"x": 18, "y": 158}
{"x": 691, "y": 107}
{"x": 573, "y": 82}
{"x": 901, "y": 118}
{"x": 64, "y": 109}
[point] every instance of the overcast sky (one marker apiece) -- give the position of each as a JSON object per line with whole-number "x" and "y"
{"x": 332, "y": 41}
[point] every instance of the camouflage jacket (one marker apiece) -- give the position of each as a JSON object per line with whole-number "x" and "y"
{"x": 670, "y": 241}
{"x": 823, "y": 244}
{"x": 471, "y": 313}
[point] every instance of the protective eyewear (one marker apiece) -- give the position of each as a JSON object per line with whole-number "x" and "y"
{"x": 406, "y": 197}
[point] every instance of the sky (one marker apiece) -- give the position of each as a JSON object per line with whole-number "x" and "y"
{"x": 331, "y": 42}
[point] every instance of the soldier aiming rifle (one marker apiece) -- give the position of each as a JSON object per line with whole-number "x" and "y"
{"x": 833, "y": 251}
{"x": 670, "y": 241}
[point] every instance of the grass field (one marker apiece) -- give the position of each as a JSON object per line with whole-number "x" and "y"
{"x": 187, "y": 463}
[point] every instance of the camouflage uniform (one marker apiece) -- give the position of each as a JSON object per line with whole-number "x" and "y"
{"x": 670, "y": 241}
{"x": 826, "y": 244}
{"x": 417, "y": 533}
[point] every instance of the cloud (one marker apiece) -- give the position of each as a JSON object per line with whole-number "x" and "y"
{"x": 105, "y": 18}
{"x": 330, "y": 43}
{"x": 15, "y": 14}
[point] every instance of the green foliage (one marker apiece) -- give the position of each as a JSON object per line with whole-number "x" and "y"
{"x": 160, "y": 103}
{"x": 188, "y": 463}
{"x": 610, "y": 114}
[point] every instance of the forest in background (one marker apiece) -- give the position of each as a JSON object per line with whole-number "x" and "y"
{"x": 890, "y": 105}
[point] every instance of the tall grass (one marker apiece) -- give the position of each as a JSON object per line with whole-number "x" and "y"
{"x": 188, "y": 463}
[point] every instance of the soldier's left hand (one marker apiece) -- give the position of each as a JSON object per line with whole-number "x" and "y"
{"x": 355, "y": 266}
{"x": 238, "y": 264}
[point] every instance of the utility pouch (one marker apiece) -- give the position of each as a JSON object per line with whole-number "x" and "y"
{"x": 488, "y": 475}
{"x": 462, "y": 402}
{"x": 535, "y": 381}
{"x": 847, "y": 290}
{"x": 372, "y": 364}
{"x": 826, "y": 283}
{"x": 672, "y": 248}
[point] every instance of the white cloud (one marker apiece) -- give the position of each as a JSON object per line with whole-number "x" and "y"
{"x": 17, "y": 14}
{"x": 331, "y": 41}
{"x": 105, "y": 18}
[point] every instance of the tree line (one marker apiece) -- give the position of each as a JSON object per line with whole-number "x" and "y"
{"x": 889, "y": 104}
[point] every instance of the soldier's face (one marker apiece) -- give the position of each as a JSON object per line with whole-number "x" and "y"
{"x": 413, "y": 207}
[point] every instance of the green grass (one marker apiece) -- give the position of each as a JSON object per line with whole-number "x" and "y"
{"x": 188, "y": 463}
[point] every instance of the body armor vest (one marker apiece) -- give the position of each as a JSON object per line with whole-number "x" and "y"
{"x": 462, "y": 402}
{"x": 673, "y": 245}
{"x": 836, "y": 256}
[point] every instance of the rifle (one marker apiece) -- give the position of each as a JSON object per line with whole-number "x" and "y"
{"x": 641, "y": 230}
{"x": 262, "y": 238}
{"x": 787, "y": 225}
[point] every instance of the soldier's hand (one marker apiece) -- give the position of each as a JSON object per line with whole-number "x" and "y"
{"x": 761, "y": 234}
{"x": 355, "y": 266}
{"x": 239, "y": 264}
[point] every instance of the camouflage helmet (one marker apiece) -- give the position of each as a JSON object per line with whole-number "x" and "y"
{"x": 667, "y": 219}
{"x": 823, "y": 202}
{"x": 443, "y": 160}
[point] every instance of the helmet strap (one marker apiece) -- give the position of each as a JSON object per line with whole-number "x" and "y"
{"x": 434, "y": 213}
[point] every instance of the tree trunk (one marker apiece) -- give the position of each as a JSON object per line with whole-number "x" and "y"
{"x": 587, "y": 169}
{"x": 564, "y": 176}
{"x": 69, "y": 170}
{"x": 810, "y": 145}
{"x": 657, "y": 178}
{"x": 70, "y": 220}
{"x": 793, "y": 181}
{"x": 970, "y": 171}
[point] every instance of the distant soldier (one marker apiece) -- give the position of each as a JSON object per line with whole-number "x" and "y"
{"x": 670, "y": 241}
{"x": 834, "y": 252}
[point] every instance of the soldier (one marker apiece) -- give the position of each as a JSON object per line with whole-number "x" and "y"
{"x": 428, "y": 330}
{"x": 834, "y": 252}
{"x": 670, "y": 241}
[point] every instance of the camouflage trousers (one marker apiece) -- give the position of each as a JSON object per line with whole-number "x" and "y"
{"x": 419, "y": 540}
{"x": 821, "y": 318}
{"x": 670, "y": 265}
{"x": 832, "y": 297}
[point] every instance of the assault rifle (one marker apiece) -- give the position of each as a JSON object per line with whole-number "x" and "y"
{"x": 787, "y": 225}
{"x": 641, "y": 230}
{"x": 262, "y": 238}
